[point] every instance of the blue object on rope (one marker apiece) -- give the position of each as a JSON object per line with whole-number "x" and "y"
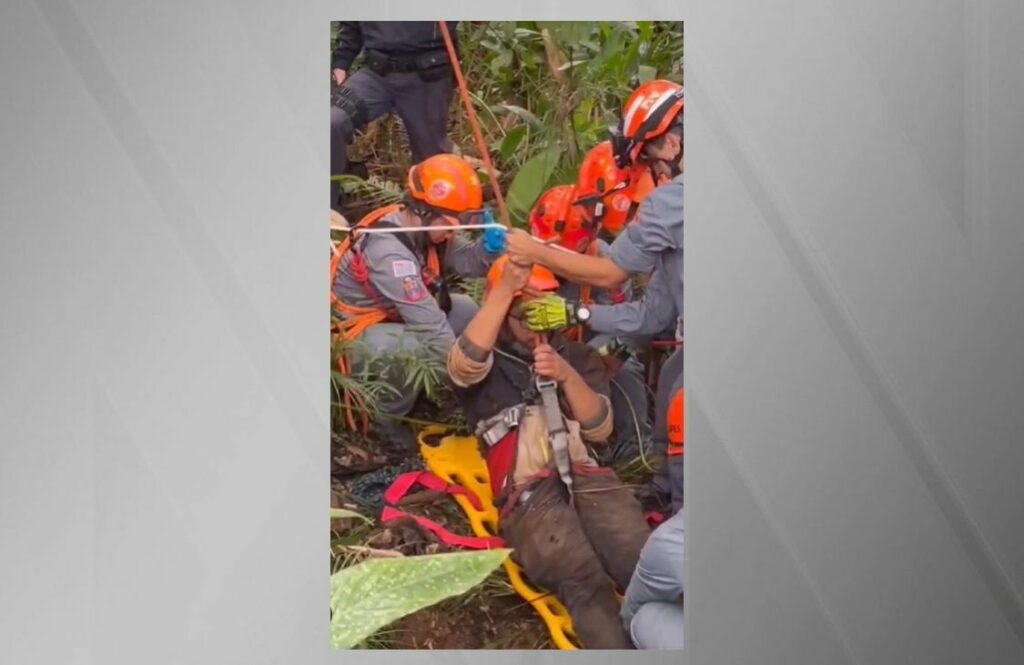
{"x": 494, "y": 236}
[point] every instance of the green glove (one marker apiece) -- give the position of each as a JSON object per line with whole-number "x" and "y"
{"x": 553, "y": 312}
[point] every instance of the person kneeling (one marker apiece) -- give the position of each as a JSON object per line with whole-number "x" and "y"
{"x": 571, "y": 523}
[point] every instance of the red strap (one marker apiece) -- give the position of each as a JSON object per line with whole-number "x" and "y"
{"x": 390, "y": 514}
{"x": 500, "y": 459}
{"x": 654, "y": 518}
{"x": 405, "y": 482}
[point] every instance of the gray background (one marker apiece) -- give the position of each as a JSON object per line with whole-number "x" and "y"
{"x": 855, "y": 314}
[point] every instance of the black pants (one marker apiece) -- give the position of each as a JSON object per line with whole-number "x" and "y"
{"x": 422, "y": 106}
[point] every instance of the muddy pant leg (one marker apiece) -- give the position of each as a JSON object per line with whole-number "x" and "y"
{"x": 423, "y": 107}
{"x": 369, "y": 91}
{"x": 613, "y": 521}
{"x": 549, "y": 543}
{"x": 671, "y": 371}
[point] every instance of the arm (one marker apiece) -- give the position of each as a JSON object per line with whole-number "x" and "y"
{"x": 599, "y": 271}
{"x": 468, "y": 257}
{"x": 470, "y": 359}
{"x": 348, "y": 46}
{"x": 659, "y": 572}
{"x": 396, "y": 273}
{"x": 654, "y": 312}
{"x": 585, "y": 390}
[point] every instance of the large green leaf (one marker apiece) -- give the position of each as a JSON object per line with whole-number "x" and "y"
{"x": 511, "y": 141}
{"x": 530, "y": 181}
{"x": 370, "y": 595}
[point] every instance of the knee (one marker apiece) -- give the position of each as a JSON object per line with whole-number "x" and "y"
{"x": 342, "y": 127}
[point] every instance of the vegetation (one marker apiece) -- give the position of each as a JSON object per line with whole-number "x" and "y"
{"x": 544, "y": 93}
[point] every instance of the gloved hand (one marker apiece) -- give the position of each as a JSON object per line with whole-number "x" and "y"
{"x": 552, "y": 312}
{"x": 494, "y": 237}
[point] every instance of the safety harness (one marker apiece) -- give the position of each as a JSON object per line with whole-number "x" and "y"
{"x": 353, "y": 320}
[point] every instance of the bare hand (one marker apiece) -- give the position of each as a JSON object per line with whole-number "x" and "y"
{"x": 515, "y": 276}
{"x": 521, "y": 246}
{"x": 339, "y": 76}
{"x": 547, "y": 363}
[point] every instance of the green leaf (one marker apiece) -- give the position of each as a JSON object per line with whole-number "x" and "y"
{"x": 530, "y": 181}
{"x": 646, "y": 73}
{"x": 511, "y": 141}
{"x": 523, "y": 114}
{"x": 344, "y": 514}
{"x": 370, "y": 595}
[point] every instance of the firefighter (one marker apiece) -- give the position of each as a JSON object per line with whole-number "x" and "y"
{"x": 533, "y": 403}
{"x": 389, "y": 289}
{"x": 407, "y": 70}
{"x": 651, "y": 134}
{"x": 556, "y": 218}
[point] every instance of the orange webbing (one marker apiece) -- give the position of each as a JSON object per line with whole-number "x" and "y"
{"x": 357, "y": 319}
{"x": 477, "y": 134}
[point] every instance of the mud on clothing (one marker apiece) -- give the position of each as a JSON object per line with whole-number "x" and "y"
{"x": 575, "y": 551}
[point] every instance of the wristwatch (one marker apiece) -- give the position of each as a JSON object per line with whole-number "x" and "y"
{"x": 582, "y": 313}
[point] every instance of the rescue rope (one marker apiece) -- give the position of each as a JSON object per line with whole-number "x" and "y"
{"x": 477, "y": 134}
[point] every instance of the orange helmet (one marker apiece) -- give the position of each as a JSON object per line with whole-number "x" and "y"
{"x": 554, "y": 214}
{"x": 602, "y": 189}
{"x": 541, "y": 279}
{"x": 648, "y": 113}
{"x": 447, "y": 185}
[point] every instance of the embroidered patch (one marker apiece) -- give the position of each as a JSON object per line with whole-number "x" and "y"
{"x": 414, "y": 289}
{"x": 404, "y": 268}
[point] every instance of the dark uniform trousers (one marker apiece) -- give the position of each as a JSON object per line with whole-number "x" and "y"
{"x": 421, "y": 104}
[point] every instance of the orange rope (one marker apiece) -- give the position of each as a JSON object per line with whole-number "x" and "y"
{"x": 477, "y": 134}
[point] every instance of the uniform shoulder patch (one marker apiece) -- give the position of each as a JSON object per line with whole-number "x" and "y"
{"x": 404, "y": 268}
{"x": 414, "y": 288}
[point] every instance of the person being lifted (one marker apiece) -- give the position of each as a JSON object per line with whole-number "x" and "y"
{"x": 534, "y": 402}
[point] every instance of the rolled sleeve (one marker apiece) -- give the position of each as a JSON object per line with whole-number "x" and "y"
{"x": 468, "y": 364}
{"x": 600, "y": 427}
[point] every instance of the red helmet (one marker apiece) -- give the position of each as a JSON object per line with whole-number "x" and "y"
{"x": 648, "y": 113}
{"x": 554, "y": 214}
{"x": 602, "y": 189}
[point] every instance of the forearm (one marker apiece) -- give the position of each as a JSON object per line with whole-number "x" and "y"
{"x": 587, "y": 406}
{"x": 598, "y": 271}
{"x": 482, "y": 331}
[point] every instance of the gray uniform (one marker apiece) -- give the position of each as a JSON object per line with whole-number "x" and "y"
{"x": 629, "y": 391}
{"x": 652, "y": 609}
{"x": 654, "y": 241}
{"x": 395, "y": 278}
{"x": 421, "y": 98}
